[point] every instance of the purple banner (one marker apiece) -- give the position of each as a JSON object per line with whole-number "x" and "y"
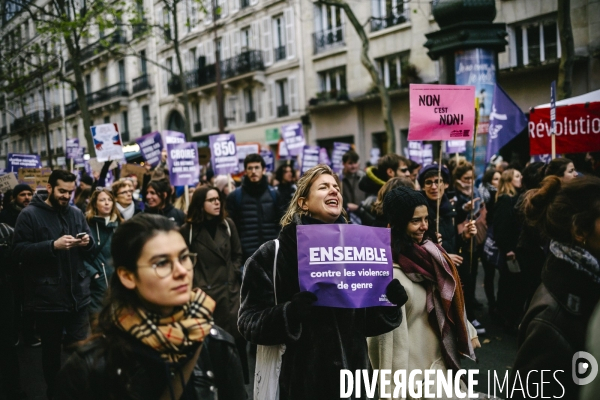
{"x": 16, "y": 161}
{"x": 294, "y": 138}
{"x": 173, "y": 137}
{"x": 310, "y": 157}
{"x": 71, "y": 147}
{"x": 347, "y": 266}
{"x": 339, "y": 149}
{"x": 267, "y": 155}
{"x": 150, "y": 146}
{"x": 183, "y": 164}
{"x": 223, "y": 154}
{"x": 456, "y": 146}
{"x": 324, "y": 157}
{"x": 415, "y": 151}
{"x": 78, "y": 157}
{"x": 427, "y": 154}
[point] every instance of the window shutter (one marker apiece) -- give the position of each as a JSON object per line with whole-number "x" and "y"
{"x": 294, "y": 104}
{"x": 376, "y": 8}
{"x": 223, "y": 6}
{"x": 240, "y": 107}
{"x": 267, "y": 44}
{"x": 255, "y": 36}
{"x": 214, "y": 114}
{"x": 228, "y": 110}
{"x": 208, "y": 16}
{"x": 270, "y": 100}
{"x": 258, "y": 101}
{"x": 225, "y": 49}
{"x": 289, "y": 33}
{"x": 253, "y": 2}
{"x": 164, "y": 78}
{"x": 161, "y": 23}
{"x": 235, "y": 6}
{"x": 236, "y": 42}
{"x": 210, "y": 52}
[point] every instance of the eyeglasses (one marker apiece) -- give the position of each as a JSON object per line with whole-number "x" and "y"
{"x": 429, "y": 182}
{"x": 213, "y": 200}
{"x": 403, "y": 170}
{"x": 125, "y": 192}
{"x": 164, "y": 266}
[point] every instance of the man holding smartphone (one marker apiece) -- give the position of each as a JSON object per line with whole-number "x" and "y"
{"x": 50, "y": 240}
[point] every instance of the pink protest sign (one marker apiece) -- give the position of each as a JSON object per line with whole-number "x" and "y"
{"x": 441, "y": 112}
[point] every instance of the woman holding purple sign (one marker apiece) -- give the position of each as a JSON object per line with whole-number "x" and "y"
{"x": 320, "y": 341}
{"x": 436, "y": 333}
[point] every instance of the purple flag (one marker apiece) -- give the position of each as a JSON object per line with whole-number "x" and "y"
{"x": 310, "y": 157}
{"x": 150, "y": 146}
{"x": 324, "y": 157}
{"x": 183, "y": 164}
{"x": 339, "y": 149}
{"x": 223, "y": 154}
{"x": 346, "y": 266}
{"x": 294, "y": 138}
{"x": 267, "y": 155}
{"x": 506, "y": 122}
{"x": 16, "y": 161}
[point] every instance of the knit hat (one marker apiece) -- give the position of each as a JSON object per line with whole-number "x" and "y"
{"x": 88, "y": 180}
{"x": 426, "y": 172}
{"x": 400, "y": 203}
{"x": 21, "y": 188}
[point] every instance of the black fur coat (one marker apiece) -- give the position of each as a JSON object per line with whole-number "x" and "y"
{"x": 329, "y": 340}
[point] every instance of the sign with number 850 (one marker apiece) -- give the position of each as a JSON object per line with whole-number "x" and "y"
{"x": 224, "y": 149}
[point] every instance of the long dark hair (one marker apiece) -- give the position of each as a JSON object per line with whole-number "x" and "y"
{"x": 128, "y": 242}
{"x": 557, "y": 167}
{"x": 161, "y": 187}
{"x": 196, "y": 212}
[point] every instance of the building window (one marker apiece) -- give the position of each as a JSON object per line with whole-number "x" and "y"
{"x": 249, "y": 103}
{"x": 387, "y": 13}
{"x": 329, "y": 31}
{"x": 122, "y": 71}
{"x": 197, "y": 117}
{"x": 394, "y": 71}
{"x": 245, "y": 38}
{"x": 143, "y": 63}
{"x": 146, "y": 123}
{"x": 88, "y": 83}
{"x": 533, "y": 43}
{"x": 279, "y": 37}
{"x": 281, "y": 95}
{"x": 125, "y": 127}
{"x": 332, "y": 84}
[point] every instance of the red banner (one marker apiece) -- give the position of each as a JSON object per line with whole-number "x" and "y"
{"x": 577, "y": 129}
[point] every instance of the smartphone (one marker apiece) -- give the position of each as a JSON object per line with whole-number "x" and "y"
{"x": 80, "y": 235}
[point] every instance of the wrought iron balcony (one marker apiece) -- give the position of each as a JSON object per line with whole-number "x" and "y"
{"x": 197, "y": 126}
{"x": 279, "y": 53}
{"x": 141, "y": 83}
{"x": 140, "y": 29}
{"x": 117, "y": 37}
{"x": 328, "y": 39}
{"x": 283, "y": 111}
{"x": 174, "y": 85}
{"x": 250, "y": 116}
{"x": 396, "y": 18}
{"x": 71, "y": 108}
{"x": 108, "y": 93}
{"x": 146, "y": 130}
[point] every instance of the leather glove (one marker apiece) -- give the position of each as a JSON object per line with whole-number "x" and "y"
{"x": 301, "y": 304}
{"x": 395, "y": 293}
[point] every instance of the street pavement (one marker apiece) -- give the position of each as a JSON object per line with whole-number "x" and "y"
{"x": 496, "y": 354}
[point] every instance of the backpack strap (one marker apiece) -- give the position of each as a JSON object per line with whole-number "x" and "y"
{"x": 275, "y": 269}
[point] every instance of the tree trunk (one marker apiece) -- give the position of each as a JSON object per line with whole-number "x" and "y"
{"x": 219, "y": 99}
{"x": 184, "y": 97}
{"x": 386, "y": 107}
{"x": 567, "y": 45}
{"x": 46, "y": 125}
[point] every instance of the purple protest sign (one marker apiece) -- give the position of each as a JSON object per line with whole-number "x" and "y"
{"x": 310, "y": 157}
{"x": 223, "y": 154}
{"x": 267, "y": 155}
{"x": 456, "y": 146}
{"x": 346, "y": 266}
{"x": 294, "y": 138}
{"x": 324, "y": 157}
{"x": 16, "y": 161}
{"x": 339, "y": 149}
{"x": 72, "y": 147}
{"x": 78, "y": 159}
{"x": 173, "y": 137}
{"x": 150, "y": 146}
{"x": 427, "y": 154}
{"x": 183, "y": 164}
{"x": 415, "y": 151}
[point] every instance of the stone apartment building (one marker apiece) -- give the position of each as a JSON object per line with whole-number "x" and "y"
{"x": 283, "y": 61}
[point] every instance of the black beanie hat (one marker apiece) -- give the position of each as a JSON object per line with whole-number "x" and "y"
{"x": 21, "y": 188}
{"x": 433, "y": 167}
{"x": 88, "y": 180}
{"x": 400, "y": 203}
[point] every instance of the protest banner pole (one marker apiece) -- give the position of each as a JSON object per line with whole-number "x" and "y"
{"x": 187, "y": 196}
{"x": 439, "y": 200}
{"x": 473, "y": 180}
{"x": 71, "y": 164}
{"x": 456, "y": 157}
{"x": 553, "y": 117}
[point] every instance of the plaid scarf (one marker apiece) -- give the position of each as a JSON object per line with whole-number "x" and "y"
{"x": 429, "y": 265}
{"x": 174, "y": 336}
{"x": 579, "y": 258}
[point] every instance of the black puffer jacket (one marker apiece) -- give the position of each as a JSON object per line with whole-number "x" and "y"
{"x": 55, "y": 280}
{"x": 554, "y": 329}
{"x": 447, "y": 227}
{"x": 217, "y": 374}
{"x": 170, "y": 212}
{"x": 329, "y": 340}
{"x": 256, "y": 209}
{"x": 10, "y": 214}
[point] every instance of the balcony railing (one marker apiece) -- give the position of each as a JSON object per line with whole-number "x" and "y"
{"x": 197, "y": 126}
{"x": 30, "y": 119}
{"x": 141, "y": 83}
{"x": 334, "y": 94}
{"x": 59, "y": 151}
{"x": 117, "y": 37}
{"x": 246, "y": 62}
{"x": 146, "y": 130}
{"x": 140, "y": 29}
{"x": 279, "y": 53}
{"x": 71, "y": 108}
{"x": 282, "y": 111}
{"x": 251, "y": 116}
{"x": 108, "y": 93}
{"x": 328, "y": 39}
{"x": 3, "y": 131}
{"x": 56, "y": 112}
{"x": 396, "y": 18}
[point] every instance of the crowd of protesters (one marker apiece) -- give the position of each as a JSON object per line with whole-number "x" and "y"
{"x": 156, "y": 291}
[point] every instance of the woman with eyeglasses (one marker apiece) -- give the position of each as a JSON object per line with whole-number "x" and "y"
{"x": 218, "y": 271}
{"x": 156, "y": 338}
{"x": 103, "y": 218}
{"x": 122, "y": 191}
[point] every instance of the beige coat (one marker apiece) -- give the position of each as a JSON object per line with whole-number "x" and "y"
{"x": 414, "y": 344}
